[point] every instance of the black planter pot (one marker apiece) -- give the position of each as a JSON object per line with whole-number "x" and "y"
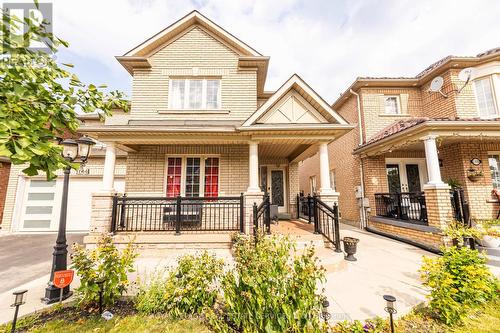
{"x": 350, "y": 247}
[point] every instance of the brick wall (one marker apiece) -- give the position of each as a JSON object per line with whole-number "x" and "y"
{"x": 456, "y": 159}
{"x": 146, "y": 168}
{"x": 209, "y": 57}
{"x": 4, "y": 182}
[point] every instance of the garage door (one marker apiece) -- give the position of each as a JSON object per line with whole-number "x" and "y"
{"x": 41, "y": 205}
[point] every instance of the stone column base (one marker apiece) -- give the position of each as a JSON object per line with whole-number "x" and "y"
{"x": 100, "y": 217}
{"x": 249, "y": 199}
{"x": 329, "y": 198}
{"x": 438, "y": 204}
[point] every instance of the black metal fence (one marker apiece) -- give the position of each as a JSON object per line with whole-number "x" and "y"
{"x": 133, "y": 214}
{"x": 305, "y": 207}
{"x": 460, "y": 206}
{"x": 407, "y": 206}
{"x": 324, "y": 217}
{"x": 262, "y": 216}
{"x": 326, "y": 222}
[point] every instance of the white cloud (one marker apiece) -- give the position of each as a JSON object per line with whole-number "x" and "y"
{"x": 328, "y": 43}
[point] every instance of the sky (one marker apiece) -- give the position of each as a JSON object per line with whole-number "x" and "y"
{"x": 328, "y": 43}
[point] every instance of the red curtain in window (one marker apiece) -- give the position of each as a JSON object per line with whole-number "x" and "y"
{"x": 174, "y": 172}
{"x": 212, "y": 177}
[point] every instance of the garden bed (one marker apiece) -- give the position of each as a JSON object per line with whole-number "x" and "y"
{"x": 63, "y": 319}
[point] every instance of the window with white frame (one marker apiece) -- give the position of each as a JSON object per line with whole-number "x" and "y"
{"x": 494, "y": 163}
{"x": 192, "y": 176}
{"x": 195, "y": 94}
{"x": 333, "y": 183}
{"x": 485, "y": 98}
{"x": 391, "y": 104}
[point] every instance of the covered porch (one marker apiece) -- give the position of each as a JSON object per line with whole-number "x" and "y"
{"x": 410, "y": 167}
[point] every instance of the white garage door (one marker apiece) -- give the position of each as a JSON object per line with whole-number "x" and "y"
{"x": 42, "y": 203}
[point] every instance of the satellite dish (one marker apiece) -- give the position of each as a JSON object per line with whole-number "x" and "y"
{"x": 465, "y": 74}
{"x": 436, "y": 84}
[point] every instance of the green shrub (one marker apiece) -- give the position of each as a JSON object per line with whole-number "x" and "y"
{"x": 104, "y": 263}
{"x": 458, "y": 281}
{"x": 186, "y": 290}
{"x": 270, "y": 290}
{"x": 377, "y": 325}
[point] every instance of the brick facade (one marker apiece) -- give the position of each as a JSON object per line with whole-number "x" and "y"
{"x": 454, "y": 154}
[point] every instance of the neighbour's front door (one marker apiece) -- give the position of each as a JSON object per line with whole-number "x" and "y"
{"x": 277, "y": 189}
{"x": 406, "y": 175}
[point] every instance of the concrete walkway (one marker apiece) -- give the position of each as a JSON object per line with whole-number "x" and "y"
{"x": 355, "y": 289}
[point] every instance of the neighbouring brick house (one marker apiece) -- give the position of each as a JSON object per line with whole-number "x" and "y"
{"x": 4, "y": 182}
{"x": 202, "y": 130}
{"x": 409, "y": 142}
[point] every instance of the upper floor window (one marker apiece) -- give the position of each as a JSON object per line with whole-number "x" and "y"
{"x": 485, "y": 99}
{"x": 392, "y": 105}
{"x": 194, "y": 94}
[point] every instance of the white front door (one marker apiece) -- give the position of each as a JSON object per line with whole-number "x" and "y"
{"x": 406, "y": 174}
{"x": 277, "y": 188}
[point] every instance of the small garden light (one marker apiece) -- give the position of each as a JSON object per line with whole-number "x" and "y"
{"x": 390, "y": 309}
{"x": 19, "y": 299}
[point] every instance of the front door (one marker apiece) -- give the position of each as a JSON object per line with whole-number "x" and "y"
{"x": 278, "y": 188}
{"x": 406, "y": 175}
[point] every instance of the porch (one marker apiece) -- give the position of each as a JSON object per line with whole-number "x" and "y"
{"x": 409, "y": 173}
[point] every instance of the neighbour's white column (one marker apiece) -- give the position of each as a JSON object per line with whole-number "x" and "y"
{"x": 324, "y": 169}
{"x": 108, "y": 177}
{"x": 253, "y": 167}
{"x": 432, "y": 160}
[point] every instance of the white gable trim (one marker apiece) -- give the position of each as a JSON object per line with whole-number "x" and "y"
{"x": 282, "y": 91}
{"x": 292, "y": 94}
{"x": 193, "y": 18}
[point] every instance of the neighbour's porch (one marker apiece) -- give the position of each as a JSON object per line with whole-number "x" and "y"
{"x": 408, "y": 179}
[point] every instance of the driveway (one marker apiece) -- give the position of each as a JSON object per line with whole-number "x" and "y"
{"x": 24, "y": 258}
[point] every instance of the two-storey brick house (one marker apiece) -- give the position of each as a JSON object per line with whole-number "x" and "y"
{"x": 392, "y": 171}
{"x": 203, "y": 131}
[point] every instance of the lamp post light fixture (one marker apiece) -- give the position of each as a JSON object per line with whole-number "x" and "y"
{"x": 19, "y": 299}
{"x": 390, "y": 309}
{"x": 73, "y": 151}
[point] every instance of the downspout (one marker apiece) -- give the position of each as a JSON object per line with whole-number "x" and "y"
{"x": 363, "y": 222}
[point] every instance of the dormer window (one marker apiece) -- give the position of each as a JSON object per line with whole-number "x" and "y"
{"x": 194, "y": 94}
{"x": 392, "y": 105}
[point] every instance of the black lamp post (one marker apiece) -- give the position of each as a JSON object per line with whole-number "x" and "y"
{"x": 73, "y": 151}
{"x": 390, "y": 309}
{"x": 18, "y": 301}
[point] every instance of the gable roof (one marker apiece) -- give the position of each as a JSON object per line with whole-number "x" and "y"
{"x": 296, "y": 82}
{"x": 195, "y": 17}
{"x": 138, "y": 57}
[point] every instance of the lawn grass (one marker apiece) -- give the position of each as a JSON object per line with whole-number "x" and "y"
{"x": 126, "y": 324}
{"x": 135, "y": 323}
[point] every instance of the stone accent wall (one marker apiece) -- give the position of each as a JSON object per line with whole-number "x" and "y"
{"x": 100, "y": 219}
{"x": 146, "y": 168}
{"x": 293, "y": 188}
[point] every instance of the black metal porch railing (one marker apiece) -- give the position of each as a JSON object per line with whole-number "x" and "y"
{"x": 262, "y": 216}
{"x": 460, "y": 206}
{"x": 305, "y": 207}
{"x": 326, "y": 222}
{"x": 407, "y": 206}
{"x": 177, "y": 214}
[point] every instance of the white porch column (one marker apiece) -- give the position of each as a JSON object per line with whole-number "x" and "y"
{"x": 432, "y": 161}
{"x": 108, "y": 177}
{"x": 253, "y": 168}
{"x": 324, "y": 170}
